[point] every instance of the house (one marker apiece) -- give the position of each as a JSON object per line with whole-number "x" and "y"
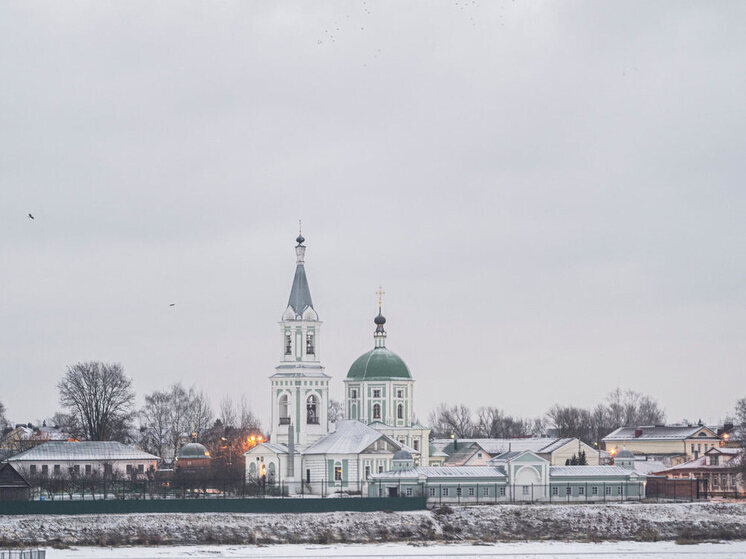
{"x": 83, "y": 458}
{"x": 509, "y": 477}
{"x": 718, "y": 468}
{"x": 13, "y": 486}
{"x": 478, "y": 452}
{"x": 339, "y": 462}
{"x": 673, "y": 444}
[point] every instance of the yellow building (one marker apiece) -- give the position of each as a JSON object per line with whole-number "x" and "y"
{"x": 675, "y": 443}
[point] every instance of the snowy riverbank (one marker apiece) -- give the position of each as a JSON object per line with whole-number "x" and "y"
{"x": 638, "y": 522}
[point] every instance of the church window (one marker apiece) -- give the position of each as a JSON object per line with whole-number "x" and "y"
{"x": 367, "y": 472}
{"x": 400, "y": 412}
{"x": 284, "y": 410}
{"x": 309, "y": 344}
{"x": 308, "y": 475}
{"x": 376, "y": 411}
{"x": 380, "y": 469}
{"x": 288, "y": 344}
{"x": 312, "y": 416}
{"x": 337, "y": 473}
{"x": 353, "y": 393}
{"x": 400, "y": 394}
{"x": 377, "y": 393}
{"x": 416, "y": 444}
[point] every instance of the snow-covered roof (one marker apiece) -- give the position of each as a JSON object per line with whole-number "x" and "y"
{"x": 442, "y": 471}
{"x": 588, "y": 471}
{"x": 83, "y": 450}
{"x": 277, "y": 448}
{"x": 703, "y": 463}
{"x": 654, "y": 432}
{"x": 351, "y": 437}
{"x": 540, "y": 445}
{"x": 646, "y": 467}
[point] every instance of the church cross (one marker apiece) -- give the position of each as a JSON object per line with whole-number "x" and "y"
{"x": 380, "y": 294}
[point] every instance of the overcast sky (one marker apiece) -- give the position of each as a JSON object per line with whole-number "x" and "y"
{"x": 551, "y": 194}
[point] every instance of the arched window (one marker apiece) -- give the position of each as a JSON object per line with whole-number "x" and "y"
{"x": 288, "y": 344}
{"x": 310, "y": 350}
{"x": 271, "y": 472}
{"x": 284, "y": 410}
{"x": 312, "y": 410}
{"x": 376, "y": 411}
{"x": 353, "y": 411}
{"x": 252, "y": 470}
{"x": 400, "y": 412}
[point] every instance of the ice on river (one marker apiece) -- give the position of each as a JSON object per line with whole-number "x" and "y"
{"x": 540, "y": 550}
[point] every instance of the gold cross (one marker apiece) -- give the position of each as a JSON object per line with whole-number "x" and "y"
{"x": 299, "y": 228}
{"x": 380, "y": 294}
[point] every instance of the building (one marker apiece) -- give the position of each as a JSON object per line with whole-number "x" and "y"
{"x": 718, "y": 468}
{"x": 478, "y": 452}
{"x": 509, "y": 477}
{"x": 192, "y": 457}
{"x": 13, "y": 486}
{"x": 66, "y": 458}
{"x": 379, "y": 391}
{"x": 673, "y": 444}
{"x": 302, "y": 454}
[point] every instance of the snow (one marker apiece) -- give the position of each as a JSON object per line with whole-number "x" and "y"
{"x": 484, "y": 524}
{"x": 545, "y": 550}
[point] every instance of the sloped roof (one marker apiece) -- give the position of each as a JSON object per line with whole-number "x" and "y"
{"x": 83, "y": 450}
{"x": 588, "y": 471}
{"x": 277, "y": 448}
{"x": 654, "y": 432}
{"x": 493, "y": 447}
{"x": 9, "y": 477}
{"x": 704, "y": 464}
{"x": 351, "y": 437}
{"x": 300, "y": 293}
{"x": 443, "y": 471}
{"x": 379, "y": 363}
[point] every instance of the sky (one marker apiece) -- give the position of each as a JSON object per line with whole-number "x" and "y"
{"x": 551, "y": 195}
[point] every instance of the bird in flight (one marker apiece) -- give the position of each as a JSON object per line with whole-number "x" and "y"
{"x": 172, "y": 305}
{"x": 30, "y": 216}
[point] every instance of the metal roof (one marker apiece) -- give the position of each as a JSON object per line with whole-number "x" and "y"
{"x": 655, "y": 432}
{"x": 351, "y": 437}
{"x": 379, "y": 363}
{"x": 493, "y": 447}
{"x": 300, "y": 293}
{"x": 442, "y": 472}
{"x": 83, "y": 450}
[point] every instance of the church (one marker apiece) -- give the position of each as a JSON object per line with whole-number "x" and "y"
{"x": 307, "y": 454}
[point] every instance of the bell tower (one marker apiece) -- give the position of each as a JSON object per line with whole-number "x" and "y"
{"x": 300, "y": 388}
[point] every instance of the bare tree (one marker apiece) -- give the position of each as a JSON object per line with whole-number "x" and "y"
{"x": 228, "y": 412}
{"x": 335, "y": 411}
{"x": 572, "y": 422}
{"x": 448, "y": 420}
{"x": 249, "y": 422}
{"x": 4, "y": 423}
{"x": 156, "y": 418}
{"x": 100, "y": 396}
{"x": 494, "y": 424}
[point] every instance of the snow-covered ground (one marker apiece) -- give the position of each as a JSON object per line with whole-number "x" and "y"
{"x": 690, "y": 522}
{"x": 543, "y": 550}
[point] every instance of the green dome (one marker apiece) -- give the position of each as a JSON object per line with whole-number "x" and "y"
{"x": 193, "y": 450}
{"x": 379, "y": 363}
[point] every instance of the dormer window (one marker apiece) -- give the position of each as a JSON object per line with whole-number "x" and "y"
{"x": 309, "y": 344}
{"x": 288, "y": 344}
{"x": 713, "y": 460}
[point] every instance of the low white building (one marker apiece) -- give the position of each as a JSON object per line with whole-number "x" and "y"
{"x": 83, "y": 458}
{"x": 478, "y": 452}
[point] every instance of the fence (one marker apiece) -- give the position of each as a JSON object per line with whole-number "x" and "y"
{"x": 288, "y": 505}
{"x": 23, "y": 554}
{"x": 498, "y": 493}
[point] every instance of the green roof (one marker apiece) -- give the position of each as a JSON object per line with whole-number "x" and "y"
{"x": 379, "y": 363}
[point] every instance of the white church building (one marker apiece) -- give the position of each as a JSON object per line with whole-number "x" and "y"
{"x": 303, "y": 454}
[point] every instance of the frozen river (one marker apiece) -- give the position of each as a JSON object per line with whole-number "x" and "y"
{"x": 542, "y": 550}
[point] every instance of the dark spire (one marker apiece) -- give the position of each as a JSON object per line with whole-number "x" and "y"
{"x": 380, "y": 320}
{"x": 300, "y": 294}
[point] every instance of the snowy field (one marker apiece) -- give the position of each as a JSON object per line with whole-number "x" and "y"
{"x": 543, "y": 550}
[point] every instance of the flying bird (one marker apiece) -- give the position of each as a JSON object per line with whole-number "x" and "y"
{"x": 172, "y": 305}
{"x": 31, "y": 216}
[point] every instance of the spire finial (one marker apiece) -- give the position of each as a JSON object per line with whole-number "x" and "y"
{"x": 380, "y": 333}
{"x": 300, "y": 238}
{"x": 380, "y": 294}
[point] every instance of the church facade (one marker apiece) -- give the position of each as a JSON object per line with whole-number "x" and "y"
{"x": 305, "y": 452}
